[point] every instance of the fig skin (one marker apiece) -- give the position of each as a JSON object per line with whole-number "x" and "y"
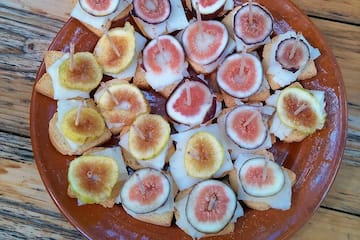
{"x": 135, "y": 14}
{"x": 240, "y": 145}
{"x": 150, "y": 171}
{"x": 214, "y": 182}
{"x": 86, "y": 74}
{"x": 264, "y": 10}
{"x": 212, "y": 109}
{"x": 292, "y": 68}
{"x": 83, "y": 3}
{"x": 203, "y": 143}
{"x": 147, "y": 124}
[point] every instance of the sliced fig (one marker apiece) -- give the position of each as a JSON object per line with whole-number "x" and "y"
{"x": 204, "y": 155}
{"x": 299, "y": 109}
{"x": 148, "y": 136}
{"x": 190, "y": 102}
{"x": 171, "y": 55}
{"x": 210, "y": 206}
{"x": 90, "y": 125}
{"x": 92, "y": 178}
{"x": 245, "y": 126}
{"x": 85, "y": 74}
{"x": 164, "y": 62}
{"x": 261, "y": 177}
{"x": 152, "y": 11}
{"x": 257, "y": 31}
{"x": 123, "y": 38}
{"x": 99, "y": 8}
{"x": 208, "y": 6}
{"x": 292, "y": 54}
{"x": 204, "y": 41}
{"x": 145, "y": 191}
{"x": 240, "y": 75}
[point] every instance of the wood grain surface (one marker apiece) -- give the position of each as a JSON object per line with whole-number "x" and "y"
{"x": 26, "y": 210}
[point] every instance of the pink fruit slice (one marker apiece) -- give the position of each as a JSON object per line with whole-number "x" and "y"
{"x": 208, "y": 6}
{"x": 259, "y": 30}
{"x": 240, "y": 75}
{"x": 210, "y": 206}
{"x": 145, "y": 191}
{"x": 170, "y": 56}
{"x": 152, "y": 11}
{"x": 99, "y": 7}
{"x": 261, "y": 177}
{"x": 292, "y": 54}
{"x": 190, "y": 103}
{"x": 245, "y": 126}
{"x": 204, "y": 41}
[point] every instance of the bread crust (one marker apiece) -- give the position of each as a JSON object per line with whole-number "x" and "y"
{"x": 58, "y": 140}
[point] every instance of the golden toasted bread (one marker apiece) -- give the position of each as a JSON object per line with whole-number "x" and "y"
{"x": 59, "y": 141}
{"x": 308, "y": 72}
{"x": 44, "y": 86}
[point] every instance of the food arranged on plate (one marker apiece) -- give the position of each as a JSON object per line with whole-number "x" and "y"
{"x": 230, "y": 89}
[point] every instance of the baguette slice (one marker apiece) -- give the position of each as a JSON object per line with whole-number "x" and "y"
{"x": 307, "y": 72}
{"x": 60, "y": 143}
{"x": 230, "y": 227}
{"x": 100, "y": 32}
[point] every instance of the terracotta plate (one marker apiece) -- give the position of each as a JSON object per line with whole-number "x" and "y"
{"x": 315, "y": 160}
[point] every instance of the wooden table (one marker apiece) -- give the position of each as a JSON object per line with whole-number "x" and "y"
{"x": 26, "y": 210}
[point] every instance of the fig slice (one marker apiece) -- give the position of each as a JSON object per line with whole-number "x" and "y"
{"x": 85, "y": 75}
{"x": 145, "y": 191}
{"x": 261, "y": 27}
{"x": 164, "y": 62}
{"x": 92, "y": 178}
{"x": 299, "y": 109}
{"x": 292, "y": 54}
{"x": 245, "y": 126}
{"x": 204, "y": 41}
{"x": 261, "y": 177}
{"x": 99, "y": 8}
{"x": 204, "y": 155}
{"x": 240, "y": 75}
{"x": 90, "y": 125}
{"x": 210, "y": 206}
{"x": 152, "y": 11}
{"x": 124, "y": 40}
{"x": 148, "y": 136}
{"x": 190, "y": 102}
{"x": 208, "y": 6}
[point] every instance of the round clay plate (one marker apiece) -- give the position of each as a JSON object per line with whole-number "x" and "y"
{"x": 314, "y": 160}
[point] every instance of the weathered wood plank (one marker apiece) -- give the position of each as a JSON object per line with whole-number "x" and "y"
{"x": 340, "y": 38}
{"x": 344, "y": 194}
{"x": 327, "y": 224}
{"x": 344, "y": 10}
{"x": 15, "y": 148}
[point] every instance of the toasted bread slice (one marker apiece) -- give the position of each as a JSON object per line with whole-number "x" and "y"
{"x": 59, "y": 141}
{"x": 184, "y": 194}
{"x": 260, "y": 206}
{"x": 308, "y": 72}
{"x": 45, "y": 85}
{"x": 100, "y": 32}
{"x": 51, "y": 57}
